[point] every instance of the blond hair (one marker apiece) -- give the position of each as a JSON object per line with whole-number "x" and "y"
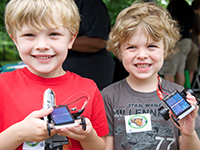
{"x": 41, "y": 13}
{"x": 155, "y": 21}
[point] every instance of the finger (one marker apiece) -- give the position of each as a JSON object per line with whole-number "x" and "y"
{"x": 48, "y": 111}
{"x": 42, "y": 113}
{"x": 53, "y": 132}
{"x": 176, "y": 123}
{"x": 197, "y": 107}
{"x": 192, "y": 102}
{"x": 64, "y": 132}
{"x": 171, "y": 114}
{"x": 195, "y": 112}
{"x": 72, "y": 133}
{"x": 191, "y": 98}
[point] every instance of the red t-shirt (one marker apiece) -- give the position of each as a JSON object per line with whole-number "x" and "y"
{"x": 22, "y": 93}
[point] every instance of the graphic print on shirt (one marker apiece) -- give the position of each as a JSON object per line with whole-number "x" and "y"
{"x": 146, "y": 140}
{"x": 138, "y": 108}
{"x": 160, "y": 137}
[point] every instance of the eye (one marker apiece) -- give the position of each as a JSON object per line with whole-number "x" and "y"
{"x": 152, "y": 46}
{"x": 55, "y": 34}
{"x": 28, "y": 34}
{"x": 131, "y": 47}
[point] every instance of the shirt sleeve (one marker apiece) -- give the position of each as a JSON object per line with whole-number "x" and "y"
{"x": 95, "y": 21}
{"x": 98, "y": 119}
{"x": 109, "y": 112}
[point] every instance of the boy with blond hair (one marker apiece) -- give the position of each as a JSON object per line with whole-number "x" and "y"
{"x": 43, "y": 31}
{"x": 143, "y": 35}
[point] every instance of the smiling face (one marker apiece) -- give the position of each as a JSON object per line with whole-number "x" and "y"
{"x": 44, "y": 51}
{"x": 142, "y": 57}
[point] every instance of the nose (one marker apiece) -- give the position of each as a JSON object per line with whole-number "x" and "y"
{"x": 142, "y": 54}
{"x": 42, "y": 44}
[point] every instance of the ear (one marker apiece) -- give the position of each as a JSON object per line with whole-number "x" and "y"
{"x": 120, "y": 56}
{"x": 71, "y": 42}
{"x": 14, "y": 40}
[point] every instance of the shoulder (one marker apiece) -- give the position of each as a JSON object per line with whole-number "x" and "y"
{"x": 114, "y": 89}
{"x": 9, "y": 76}
{"x": 170, "y": 86}
{"x": 115, "y": 86}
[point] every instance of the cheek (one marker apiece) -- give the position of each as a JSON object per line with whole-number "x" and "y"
{"x": 62, "y": 51}
{"x": 127, "y": 60}
{"x": 127, "y": 57}
{"x": 157, "y": 55}
{"x": 23, "y": 49}
{"x": 64, "y": 54}
{"x": 24, "y": 45}
{"x": 159, "y": 59}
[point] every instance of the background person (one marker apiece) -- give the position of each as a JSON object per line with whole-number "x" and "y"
{"x": 88, "y": 56}
{"x": 193, "y": 56}
{"x": 175, "y": 66}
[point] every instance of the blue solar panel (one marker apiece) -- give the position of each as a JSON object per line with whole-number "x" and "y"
{"x": 61, "y": 115}
{"x": 178, "y": 104}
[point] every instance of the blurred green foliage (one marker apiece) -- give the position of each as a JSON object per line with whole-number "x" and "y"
{"x": 8, "y": 50}
{"x": 115, "y": 6}
{"x": 2, "y": 9}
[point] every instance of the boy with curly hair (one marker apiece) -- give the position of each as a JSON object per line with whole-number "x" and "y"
{"x": 144, "y": 34}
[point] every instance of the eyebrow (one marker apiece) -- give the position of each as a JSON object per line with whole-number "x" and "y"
{"x": 152, "y": 42}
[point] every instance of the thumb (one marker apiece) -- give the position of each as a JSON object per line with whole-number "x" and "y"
{"x": 47, "y": 111}
{"x": 42, "y": 113}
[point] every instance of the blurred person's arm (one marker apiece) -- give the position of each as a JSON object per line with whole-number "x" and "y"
{"x": 88, "y": 45}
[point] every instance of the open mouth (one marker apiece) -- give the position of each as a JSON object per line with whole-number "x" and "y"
{"x": 143, "y": 65}
{"x": 46, "y": 57}
{"x": 43, "y": 57}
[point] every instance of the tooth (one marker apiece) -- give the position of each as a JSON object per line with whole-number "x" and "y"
{"x": 142, "y": 66}
{"x": 44, "y": 57}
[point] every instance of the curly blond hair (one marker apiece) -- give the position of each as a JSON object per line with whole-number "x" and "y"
{"x": 41, "y": 13}
{"x": 155, "y": 21}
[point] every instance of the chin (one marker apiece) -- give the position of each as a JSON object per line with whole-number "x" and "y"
{"x": 144, "y": 76}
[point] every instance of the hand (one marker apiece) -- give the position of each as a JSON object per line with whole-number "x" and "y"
{"x": 76, "y": 132}
{"x": 187, "y": 124}
{"x": 33, "y": 128}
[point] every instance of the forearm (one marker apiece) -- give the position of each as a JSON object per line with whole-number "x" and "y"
{"x": 10, "y": 138}
{"x": 88, "y": 45}
{"x": 189, "y": 142}
{"x": 93, "y": 142}
{"x": 32, "y": 128}
{"x": 109, "y": 142}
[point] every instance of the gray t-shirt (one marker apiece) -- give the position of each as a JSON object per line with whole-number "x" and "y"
{"x": 121, "y": 100}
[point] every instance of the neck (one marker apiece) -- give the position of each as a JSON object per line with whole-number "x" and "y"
{"x": 143, "y": 85}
